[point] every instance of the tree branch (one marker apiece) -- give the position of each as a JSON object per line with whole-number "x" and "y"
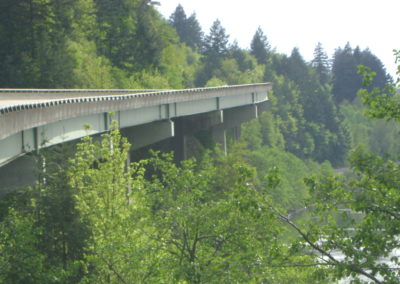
{"x": 322, "y": 251}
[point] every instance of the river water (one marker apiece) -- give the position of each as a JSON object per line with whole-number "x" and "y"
{"x": 339, "y": 256}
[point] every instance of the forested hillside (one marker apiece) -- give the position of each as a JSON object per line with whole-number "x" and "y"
{"x": 248, "y": 217}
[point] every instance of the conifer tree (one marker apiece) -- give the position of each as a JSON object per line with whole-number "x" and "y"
{"x": 215, "y": 49}
{"x": 298, "y": 68}
{"x": 188, "y": 29}
{"x": 370, "y": 60}
{"x": 260, "y": 47}
{"x": 321, "y": 63}
{"x": 178, "y": 20}
{"x": 194, "y": 37}
{"x": 344, "y": 69}
{"x": 346, "y": 81}
{"x": 216, "y": 42}
{"x": 242, "y": 57}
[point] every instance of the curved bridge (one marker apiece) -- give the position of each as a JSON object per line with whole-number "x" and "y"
{"x": 33, "y": 119}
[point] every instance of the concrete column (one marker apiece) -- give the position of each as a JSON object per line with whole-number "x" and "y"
{"x": 180, "y": 141}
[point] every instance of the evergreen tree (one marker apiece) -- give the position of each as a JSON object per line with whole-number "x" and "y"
{"x": 151, "y": 37}
{"x": 117, "y": 25}
{"x": 188, "y": 29}
{"x": 260, "y": 47}
{"x": 321, "y": 64}
{"x": 370, "y": 60}
{"x": 346, "y": 81}
{"x": 216, "y": 42}
{"x": 215, "y": 49}
{"x": 297, "y": 69}
{"x": 195, "y": 33}
{"x": 344, "y": 69}
{"x": 244, "y": 60}
{"x": 178, "y": 20}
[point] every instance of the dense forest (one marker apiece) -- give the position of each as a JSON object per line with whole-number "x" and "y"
{"x": 271, "y": 211}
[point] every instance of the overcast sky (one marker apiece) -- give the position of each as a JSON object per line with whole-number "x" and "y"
{"x": 303, "y": 23}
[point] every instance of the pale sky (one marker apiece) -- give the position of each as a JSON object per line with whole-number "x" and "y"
{"x": 303, "y": 23}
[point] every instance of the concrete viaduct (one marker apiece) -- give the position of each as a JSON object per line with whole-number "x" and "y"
{"x": 35, "y": 119}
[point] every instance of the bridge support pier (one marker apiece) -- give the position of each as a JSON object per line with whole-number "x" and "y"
{"x": 218, "y": 134}
{"x": 185, "y": 143}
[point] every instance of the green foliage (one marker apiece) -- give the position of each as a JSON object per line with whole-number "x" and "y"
{"x": 148, "y": 80}
{"x": 79, "y": 43}
{"x": 378, "y": 136}
{"x": 154, "y": 34}
{"x": 244, "y": 59}
{"x": 42, "y": 235}
{"x": 291, "y": 192}
{"x": 381, "y": 103}
{"x": 270, "y": 133}
{"x": 107, "y": 199}
{"x": 178, "y": 65}
{"x": 131, "y": 34}
{"x": 357, "y": 218}
{"x": 229, "y": 71}
{"x": 211, "y": 231}
{"x": 251, "y": 134}
{"x": 215, "y": 82}
{"x": 106, "y": 221}
{"x": 90, "y": 70}
{"x": 252, "y": 75}
{"x": 20, "y": 260}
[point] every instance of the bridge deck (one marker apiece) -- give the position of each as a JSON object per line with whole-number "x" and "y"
{"x": 32, "y": 119}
